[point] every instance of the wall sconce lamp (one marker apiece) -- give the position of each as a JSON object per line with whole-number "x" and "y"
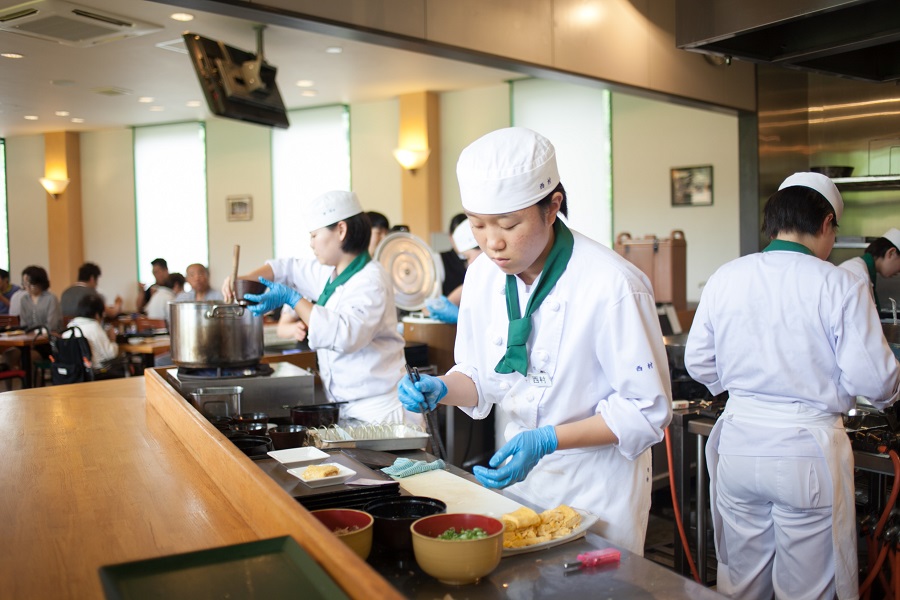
{"x": 411, "y": 159}
{"x": 54, "y": 187}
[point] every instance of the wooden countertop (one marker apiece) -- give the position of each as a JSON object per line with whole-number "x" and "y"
{"x": 113, "y": 471}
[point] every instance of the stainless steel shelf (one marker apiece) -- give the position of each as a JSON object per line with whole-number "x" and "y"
{"x": 868, "y": 183}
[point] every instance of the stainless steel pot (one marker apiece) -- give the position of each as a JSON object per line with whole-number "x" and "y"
{"x": 675, "y": 350}
{"x": 211, "y": 335}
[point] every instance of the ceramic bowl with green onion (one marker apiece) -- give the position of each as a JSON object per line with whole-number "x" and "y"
{"x": 457, "y": 548}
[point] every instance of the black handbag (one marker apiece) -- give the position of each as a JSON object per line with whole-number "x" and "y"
{"x": 71, "y": 357}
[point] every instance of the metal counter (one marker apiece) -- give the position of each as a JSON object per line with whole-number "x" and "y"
{"x": 540, "y": 574}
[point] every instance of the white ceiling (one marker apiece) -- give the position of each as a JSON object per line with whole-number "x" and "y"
{"x": 361, "y": 73}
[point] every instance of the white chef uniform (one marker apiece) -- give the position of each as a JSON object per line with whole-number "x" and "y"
{"x": 359, "y": 351}
{"x": 793, "y": 339}
{"x": 597, "y": 338}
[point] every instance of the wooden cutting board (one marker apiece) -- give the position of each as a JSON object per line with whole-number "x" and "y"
{"x": 460, "y": 495}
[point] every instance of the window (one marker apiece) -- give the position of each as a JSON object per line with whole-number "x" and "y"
{"x": 310, "y": 158}
{"x": 4, "y": 220}
{"x": 170, "y": 191}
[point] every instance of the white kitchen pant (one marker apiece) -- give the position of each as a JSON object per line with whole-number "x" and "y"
{"x": 777, "y": 518}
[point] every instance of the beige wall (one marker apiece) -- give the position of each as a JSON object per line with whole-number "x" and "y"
{"x": 374, "y": 174}
{"x": 27, "y": 206}
{"x": 238, "y": 162}
{"x": 108, "y": 209}
{"x": 648, "y": 139}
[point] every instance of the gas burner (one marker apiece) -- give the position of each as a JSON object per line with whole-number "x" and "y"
{"x": 258, "y": 370}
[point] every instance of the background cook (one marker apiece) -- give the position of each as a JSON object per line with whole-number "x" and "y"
{"x": 583, "y": 374}
{"x": 793, "y": 339}
{"x": 346, "y": 302}
{"x": 882, "y": 257}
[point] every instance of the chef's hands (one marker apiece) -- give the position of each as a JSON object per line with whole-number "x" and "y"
{"x": 423, "y": 395}
{"x": 442, "y": 309}
{"x": 524, "y": 452}
{"x": 276, "y": 296}
{"x": 227, "y": 291}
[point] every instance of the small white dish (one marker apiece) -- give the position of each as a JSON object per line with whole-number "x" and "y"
{"x": 297, "y": 457}
{"x": 343, "y": 475}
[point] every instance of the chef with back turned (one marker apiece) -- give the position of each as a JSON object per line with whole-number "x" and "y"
{"x": 560, "y": 333}
{"x": 793, "y": 339}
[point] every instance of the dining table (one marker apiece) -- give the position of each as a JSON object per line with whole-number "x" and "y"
{"x": 27, "y": 342}
{"x": 146, "y": 348}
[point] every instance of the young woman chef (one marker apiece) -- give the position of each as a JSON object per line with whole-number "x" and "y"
{"x": 793, "y": 339}
{"x": 346, "y": 302}
{"x": 562, "y": 334}
{"x": 882, "y": 257}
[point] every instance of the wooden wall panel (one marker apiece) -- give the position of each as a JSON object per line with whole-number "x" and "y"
{"x": 406, "y": 17}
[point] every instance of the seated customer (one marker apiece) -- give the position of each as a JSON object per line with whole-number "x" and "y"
{"x": 198, "y": 278}
{"x": 158, "y": 306}
{"x": 107, "y": 363}
{"x": 39, "y": 307}
{"x": 7, "y": 289}
{"x": 88, "y": 280}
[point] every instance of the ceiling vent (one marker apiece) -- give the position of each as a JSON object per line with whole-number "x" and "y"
{"x": 70, "y": 24}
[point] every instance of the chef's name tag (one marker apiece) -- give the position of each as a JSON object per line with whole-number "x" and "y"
{"x": 539, "y": 379}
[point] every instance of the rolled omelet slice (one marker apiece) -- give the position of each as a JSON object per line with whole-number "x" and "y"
{"x": 319, "y": 471}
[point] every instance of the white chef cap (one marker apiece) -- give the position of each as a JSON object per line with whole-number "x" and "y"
{"x": 463, "y": 238}
{"x": 506, "y": 170}
{"x": 893, "y": 235}
{"x": 821, "y": 184}
{"x": 331, "y": 207}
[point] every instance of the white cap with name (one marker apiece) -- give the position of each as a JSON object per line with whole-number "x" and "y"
{"x": 331, "y": 207}
{"x": 463, "y": 238}
{"x": 821, "y": 184}
{"x": 893, "y": 235}
{"x": 506, "y": 170}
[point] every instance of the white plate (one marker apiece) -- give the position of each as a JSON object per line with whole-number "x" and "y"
{"x": 296, "y": 457}
{"x": 587, "y": 519}
{"x": 343, "y": 475}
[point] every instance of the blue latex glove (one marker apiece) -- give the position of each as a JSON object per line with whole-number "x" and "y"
{"x": 442, "y": 309}
{"x": 276, "y": 296}
{"x": 524, "y": 452}
{"x": 423, "y": 395}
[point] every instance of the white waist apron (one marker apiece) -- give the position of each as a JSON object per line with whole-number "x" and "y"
{"x": 828, "y": 431}
{"x": 385, "y": 408}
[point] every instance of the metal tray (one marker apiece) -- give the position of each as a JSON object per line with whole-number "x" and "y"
{"x": 266, "y": 569}
{"x": 386, "y": 437}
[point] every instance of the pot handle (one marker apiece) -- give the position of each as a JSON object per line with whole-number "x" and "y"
{"x": 225, "y": 311}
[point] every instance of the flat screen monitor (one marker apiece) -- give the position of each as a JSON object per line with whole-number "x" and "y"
{"x": 235, "y": 84}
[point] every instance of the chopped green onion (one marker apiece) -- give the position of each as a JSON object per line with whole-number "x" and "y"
{"x": 463, "y": 534}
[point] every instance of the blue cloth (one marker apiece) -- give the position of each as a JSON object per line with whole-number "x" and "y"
{"x": 404, "y": 467}
{"x": 442, "y": 309}
{"x": 423, "y": 395}
{"x": 276, "y": 296}
{"x": 524, "y": 452}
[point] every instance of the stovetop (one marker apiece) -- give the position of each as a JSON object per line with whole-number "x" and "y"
{"x": 257, "y": 370}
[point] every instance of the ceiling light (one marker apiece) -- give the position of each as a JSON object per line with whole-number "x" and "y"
{"x": 334, "y": 50}
{"x": 305, "y": 83}
{"x": 145, "y": 99}
{"x": 62, "y": 113}
{"x": 31, "y": 117}
{"x": 309, "y": 93}
{"x": 77, "y": 120}
{"x": 12, "y": 55}
{"x": 193, "y": 103}
{"x": 183, "y": 17}
{"x": 157, "y": 108}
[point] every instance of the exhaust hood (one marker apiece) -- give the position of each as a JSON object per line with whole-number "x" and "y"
{"x": 857, "y": 39}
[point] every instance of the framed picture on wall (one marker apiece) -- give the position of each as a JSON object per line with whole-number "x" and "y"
{"x": 692, "y": 186}
{"x": 239, "y": 208}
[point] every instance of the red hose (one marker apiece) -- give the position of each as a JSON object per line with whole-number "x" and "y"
{"x": 895, "y": 490}
{"x": 684, "y": 542}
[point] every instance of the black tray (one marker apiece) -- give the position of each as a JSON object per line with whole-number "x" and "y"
{"x": 269, "y": 569}
{"x": 332, "y": 496}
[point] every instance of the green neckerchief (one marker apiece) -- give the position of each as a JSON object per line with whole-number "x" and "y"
{"x": 873, "y": 275}
{"x": 352, "y": 269}
{"x": 786, "y": 246}
{"x": 516, "y": 357}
